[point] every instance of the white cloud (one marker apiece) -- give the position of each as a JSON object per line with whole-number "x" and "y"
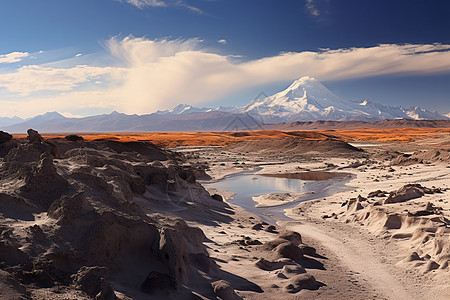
{"x": 13, "y": 57}
{"x": 161, "y": 74}
{"x": 222, "y": 41}
{"x": 33, "y": 78}
{"x": 148, "y": 75}
{"x": 78, "y": 55}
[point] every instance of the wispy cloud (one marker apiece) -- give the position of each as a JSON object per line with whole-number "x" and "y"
{"x": 311, "y": 6}
{"x": 141, "y": 4}
{"x": 148, "y": 75}
{"x": 13, "y": 57}
{"x": 146, "y": 3}
{"x": 190, "y": 7}
{"x": 222, "y": 41}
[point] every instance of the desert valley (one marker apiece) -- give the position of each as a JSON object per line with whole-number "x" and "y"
{"x": 351, "y": 206}
{"x": 323, "y": 214}
{"x": 224, "y": 150}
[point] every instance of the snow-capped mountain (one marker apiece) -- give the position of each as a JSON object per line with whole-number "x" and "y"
{"x": 418, "y": 113}
{"x": 306, "y": 99}
{"x": 183, "y": 109}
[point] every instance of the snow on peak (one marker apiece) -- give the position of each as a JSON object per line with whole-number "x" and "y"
{"x": 306, "y": 94}
{"x": 365, "y": 102}
{"x": 304, "y": 81}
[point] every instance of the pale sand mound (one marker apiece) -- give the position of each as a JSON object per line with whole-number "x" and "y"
{"x": 276, "y": 199}
{"x": 286, "y": 145}
{"x": 423, "y": 227}
{"x": 427, "y": 156}
{"x": 314, "y": 176}
{"x": 285, "y": 255}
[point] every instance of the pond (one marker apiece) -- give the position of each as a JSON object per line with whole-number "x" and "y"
{"x": 246, "y": 186}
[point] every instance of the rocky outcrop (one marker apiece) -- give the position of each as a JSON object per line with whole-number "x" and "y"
{"x": 408, "y": 192}
{"x": 43, "y": 184}
{"x": 91, "y": 280}
{"x": 95, "y": 209}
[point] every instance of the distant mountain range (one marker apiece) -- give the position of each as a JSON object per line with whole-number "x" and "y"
{"x": 304, "y": 100}
{"x": 309, "y": 100}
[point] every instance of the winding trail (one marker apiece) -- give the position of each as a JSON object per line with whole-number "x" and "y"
{"x": 360, "y": 254}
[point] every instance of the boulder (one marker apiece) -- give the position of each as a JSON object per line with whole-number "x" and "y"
{"x": 405, "y": 193}
{"x": 308, "y": 250}
{"x": 217, "y": 197}
{"x": 293, "y": 269}
{"x": 224, "y": 290}
{"x": 377, "y": 193}
{"x": 5, "y": 137}
{"x": 91, "y": 280}
{"x": 289, "y": 250}
{"x": 34, "y": 136}
{"x": 291, "y": 236}
{"x": 271, "y": 229}
{"x": 302, "y": 281}
{"x": 258, "y": 226}
{"x": 268, "y": 265}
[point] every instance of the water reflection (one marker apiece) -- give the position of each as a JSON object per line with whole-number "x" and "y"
{"x": 255, "y": 185}
{"x": 246, "y": 186}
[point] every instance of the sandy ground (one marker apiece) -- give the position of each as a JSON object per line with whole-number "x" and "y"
{"x": 361, "y": 253}
{"x": 376, "y": 227}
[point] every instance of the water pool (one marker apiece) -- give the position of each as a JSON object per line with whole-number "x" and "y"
{"x": 246, "y": 186}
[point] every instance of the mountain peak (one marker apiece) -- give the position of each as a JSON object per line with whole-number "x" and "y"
{"x": 307, "y": 87}
{"x": 304, "y": 81}
{"x": 51, "y": 115}
{"x": 116, "y": 113}
{"x": 308, "y": 99}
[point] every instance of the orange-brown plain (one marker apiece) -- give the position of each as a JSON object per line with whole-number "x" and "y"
{"x": 173, "y": 139}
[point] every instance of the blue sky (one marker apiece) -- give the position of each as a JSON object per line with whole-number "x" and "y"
{"x": 137, "y": 56}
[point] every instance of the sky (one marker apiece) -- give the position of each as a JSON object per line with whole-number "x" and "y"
{"x": 87, "y": 57}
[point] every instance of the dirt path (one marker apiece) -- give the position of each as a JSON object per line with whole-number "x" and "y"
{"x": 369, "y": 261}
